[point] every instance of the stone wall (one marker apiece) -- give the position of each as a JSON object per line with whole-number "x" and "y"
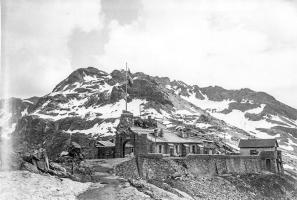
{"x": 127, "y": 169}
{"x": 155, "y": 166}
{"x": 222, "y": 164}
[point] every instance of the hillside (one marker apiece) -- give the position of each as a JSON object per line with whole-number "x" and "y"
{"x": 89, "y": 102}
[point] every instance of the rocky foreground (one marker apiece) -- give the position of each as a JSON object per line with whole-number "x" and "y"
{"x": 34, "y": 178}
{"x": 25, "y": 185}
{"x": 30, "y": 186}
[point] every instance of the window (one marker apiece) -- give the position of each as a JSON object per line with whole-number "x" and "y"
{"x": 193, "y": 149}
{"x": 160, "y": 148}
{"x": 176, "y": 149}
{"x": 254, "y": 152}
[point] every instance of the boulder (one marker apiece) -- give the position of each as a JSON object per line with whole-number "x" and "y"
{"x": 57, "y": 167}
{"x": 42, "y": 166}
{"x": 29, "y": 167}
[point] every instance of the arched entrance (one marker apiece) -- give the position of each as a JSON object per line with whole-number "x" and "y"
{"x": 124, "y": 135}
{"x": 128, "y": 148}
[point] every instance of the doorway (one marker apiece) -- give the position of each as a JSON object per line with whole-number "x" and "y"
{"x": 268, "y": 164}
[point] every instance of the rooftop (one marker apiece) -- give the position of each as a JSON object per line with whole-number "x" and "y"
{"x": 257, "y": 143}
{"x": 168, "y": 136}
{"x": 104, "y": 144}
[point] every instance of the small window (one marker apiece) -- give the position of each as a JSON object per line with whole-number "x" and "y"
{"x": 160, "y": 148}
{"x": 254, "y": 152}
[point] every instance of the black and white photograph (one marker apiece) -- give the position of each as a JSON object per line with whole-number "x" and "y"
{"x": 148, "y": 100}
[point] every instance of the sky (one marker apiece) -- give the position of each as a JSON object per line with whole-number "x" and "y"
{"x": 230, "y": 43}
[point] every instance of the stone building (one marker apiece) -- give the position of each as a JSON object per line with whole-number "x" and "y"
{"x": 170, "y": 143}
{"x": 255, "y": 146}
{"x": 105, "y": 149}
{"x": 147, "y": 137}
{"x": 270, "y": 157}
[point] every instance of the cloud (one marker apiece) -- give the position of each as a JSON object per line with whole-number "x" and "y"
{"x": 36, "y": 36}
{"x": 123, "y": 11}
{"x": 229, "y": 43}
{"x": 86, "y": 46}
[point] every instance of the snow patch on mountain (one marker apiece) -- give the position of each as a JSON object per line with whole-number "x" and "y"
{"x": 208, "y": 104}
{"x": 24, "y": 112}
{"x": 27, "y": 101}
{"x": 103, "y": 129}
{"x": 202, "y": 125}
{"x": 237, "y": 118}
{"x": 289, "y": 145}
{"x": 89, "y": 78}
{"x": 284, "y": 120}
{"x": 115, "y": 110}
{"x": 183, "y": 112}
{"x": 257, "y": 110}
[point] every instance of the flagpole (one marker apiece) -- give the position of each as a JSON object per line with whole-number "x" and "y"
{"x": 126, "y": 85}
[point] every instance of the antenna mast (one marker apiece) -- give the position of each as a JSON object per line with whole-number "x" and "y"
{"x": 126, "y": 85}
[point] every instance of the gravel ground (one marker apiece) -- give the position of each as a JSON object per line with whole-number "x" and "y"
{"x": 23, "y": 185}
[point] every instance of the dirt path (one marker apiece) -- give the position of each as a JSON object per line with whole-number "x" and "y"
{"x": 106, "y": 190}
{"x": 106, "y": 186}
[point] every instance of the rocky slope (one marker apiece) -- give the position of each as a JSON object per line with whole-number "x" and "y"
{"x": 89, "y": 102}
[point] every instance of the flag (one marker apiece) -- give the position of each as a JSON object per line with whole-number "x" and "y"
{"x": 130, "y": 80}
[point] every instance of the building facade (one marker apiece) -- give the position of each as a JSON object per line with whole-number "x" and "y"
{"x": 270, "y": 157}
{"x": 147, "y": 137}
{"x": 255, "y": 146}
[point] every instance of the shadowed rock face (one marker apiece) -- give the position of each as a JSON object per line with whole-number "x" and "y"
{"x": 75, "y": 105}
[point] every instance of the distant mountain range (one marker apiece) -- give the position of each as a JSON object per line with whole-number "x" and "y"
{"x": 90, "y": 101}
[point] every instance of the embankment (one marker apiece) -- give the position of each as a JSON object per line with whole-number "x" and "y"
{"x": 156, "y": 166}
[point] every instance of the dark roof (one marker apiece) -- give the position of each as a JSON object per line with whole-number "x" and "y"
{"x": 104, "y": 144}
{"x": 246, "y": 143}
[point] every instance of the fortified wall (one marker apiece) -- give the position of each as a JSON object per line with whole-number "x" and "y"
{"x": 155, "y": 166}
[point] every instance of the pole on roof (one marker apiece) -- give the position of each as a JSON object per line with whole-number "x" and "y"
{"x": 126, "y": 85}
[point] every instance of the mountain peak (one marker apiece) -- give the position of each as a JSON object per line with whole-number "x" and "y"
{"x": 80, "y": 75}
